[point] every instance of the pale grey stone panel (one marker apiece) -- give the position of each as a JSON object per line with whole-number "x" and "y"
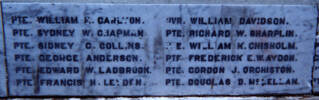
{"x": 156, "y": 46}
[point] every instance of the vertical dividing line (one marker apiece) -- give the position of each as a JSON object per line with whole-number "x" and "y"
{"x": 315, "y": 52}
{"x": 4, "y": 50}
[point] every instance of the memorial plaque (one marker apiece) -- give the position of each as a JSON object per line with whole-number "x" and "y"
{"x": 77, "y": 49}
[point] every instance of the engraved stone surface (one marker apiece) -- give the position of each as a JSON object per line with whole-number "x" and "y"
{"x": 3, "y": 79}
{"x": 158, "y": 49}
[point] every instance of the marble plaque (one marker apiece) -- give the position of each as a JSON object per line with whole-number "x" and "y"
{"x": 77, "y": 49}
